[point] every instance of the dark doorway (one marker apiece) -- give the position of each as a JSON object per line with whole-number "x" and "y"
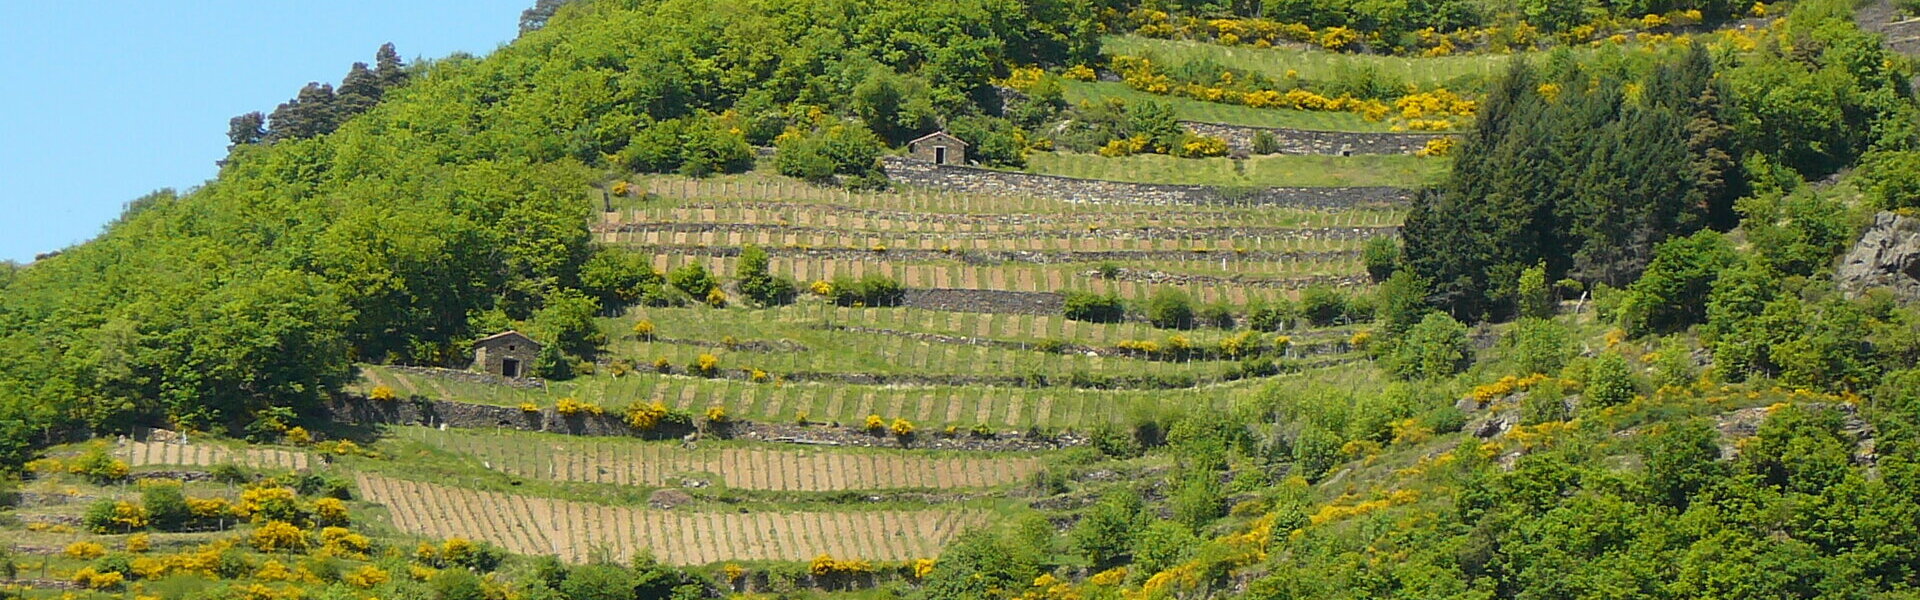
{"x": 510, "y": 367}
{"x": 939, "y": 155}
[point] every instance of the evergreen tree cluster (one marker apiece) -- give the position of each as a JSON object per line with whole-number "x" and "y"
{"x": 1585, "y": 171}
{"x": 319, "y": 108}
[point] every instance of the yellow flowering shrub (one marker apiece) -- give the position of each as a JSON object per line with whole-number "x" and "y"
{"x": 716, "y": 414}
{"x": 330, "y": 511}
{"x": 272, "y": 570}
{"x": 84, "y": 550}
{"x": 1440, "y": 146}
{"x": 344, "y": 543}
{"x": 922, "y": 568}
{"x": 128, "y": 515}
{"x": 366, "y": 576}
{"x": 901, "y": 427}
{"x": 209, "y": 508}
{"x": 875, "y": 424}
{"x": 278, "y": 536}
{"x": 1079, "y": 73}
{"x": 569, "y": 406}
{"x": 96, "y": 580}
{"x": 383, "y": 393}
{"x": 706, "y": 364}
{"x": 645, "y": 416}
{"x": 139, "y": 542}
{"x": 643, "y": 329}
{"x": 1109, "y": 577}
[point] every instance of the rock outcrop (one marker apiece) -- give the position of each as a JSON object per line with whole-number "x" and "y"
{"x": 1887, "y": 256}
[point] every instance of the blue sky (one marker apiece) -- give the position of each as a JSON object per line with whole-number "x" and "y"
{"x": 107, "y": 100}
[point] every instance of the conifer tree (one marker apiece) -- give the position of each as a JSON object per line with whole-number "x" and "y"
{"x": 313, "y": 113}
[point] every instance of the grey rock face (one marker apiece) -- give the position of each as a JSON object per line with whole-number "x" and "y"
{"x": 1887, "y": 256}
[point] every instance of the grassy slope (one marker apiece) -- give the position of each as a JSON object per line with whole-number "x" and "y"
{"x": 1278, "y": 170}
{"x": 1317, "y": 65}
{"x": 1232, "y": 114}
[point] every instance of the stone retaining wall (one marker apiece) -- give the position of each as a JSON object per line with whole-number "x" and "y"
{"x": 997, "y": 257}
{"x": 433, "y": 413}
{"x": 1092, "y": 191}
{"x": 1065, "y": 227}
{"x": 984, "y": 301}
{"x": 1301, "y": 141}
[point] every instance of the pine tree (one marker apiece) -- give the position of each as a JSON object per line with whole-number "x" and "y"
{"x": 313, "y": 113}
{"x": 250, "y": 128}
{"x": 359, "y": 91}
{"x": 387, "y": 66}
{"x": 535, "y": 18}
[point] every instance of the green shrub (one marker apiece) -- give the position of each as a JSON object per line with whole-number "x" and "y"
{"x": 694, "y": 279}
{"x": 1609, "y": 381}
{"x": 1322, "y": 305}
{"x": 1382, "y": 257}
{"x": 872, "y": 290}
{"x": 820, "y": 155}
{"x": 1170, "y": 308}
{"x": 1672, "y": 294}
{"x": 1541, "y": 346}
{"x": 1095, "y": 308}
{"x": 1265, "y": 143}
{"x": 1535, "y": 297}
{"x": 757, "y": 284}
{"x": 1273, "y": 317}
{"x": 1437, "y": 347}
{"x": 166, "y": 506}
{"x": 1217, "y": 314}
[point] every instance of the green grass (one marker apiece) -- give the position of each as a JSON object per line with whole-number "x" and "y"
{"x": 1453, "y": 72}
{"x": 1188, "y": 109}
{"x": 1276, "y": 170}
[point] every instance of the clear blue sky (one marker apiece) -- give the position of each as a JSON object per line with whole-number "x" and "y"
{"x": 107, "y": 100}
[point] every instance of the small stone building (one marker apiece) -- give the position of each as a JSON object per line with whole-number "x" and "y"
{"x": 508, "y": 354}
{"x": 939, "y": 148}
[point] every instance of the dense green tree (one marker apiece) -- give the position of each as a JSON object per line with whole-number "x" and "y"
{"x": 895, "y": 107}
{"x": 1170, "y": 308}
{"x": 1402, "y": 302}
{"x": 977, "y": 564}
{"x": 359, "y": 91}
{"x": 1541, "y": 346}
{"x": 567, "y": 322}
{"x": 314, "y": 112}
{"x": 1609, "y": 381}
{"x": 1437, "y": 346}
{"x": 1105, "y": 534}
{"x": 757, "y": 283}
{"x": 835, "y": 150}
{"x": 250, "y": 128}
{"x": 1672, "y": 294}
{"x": 1380, "y": 254}
{"x": 1682, "y": 460}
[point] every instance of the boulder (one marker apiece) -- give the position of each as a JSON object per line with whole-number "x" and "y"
{"x": 1887, "y": 256}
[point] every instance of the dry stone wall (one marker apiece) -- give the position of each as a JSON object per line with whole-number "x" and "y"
{"x": 1301, "y": 141}
{"x": 1091, "y": 191}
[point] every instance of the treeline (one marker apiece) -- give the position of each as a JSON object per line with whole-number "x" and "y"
{"x": 319, "y": 108}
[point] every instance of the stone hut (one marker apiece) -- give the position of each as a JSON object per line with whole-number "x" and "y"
{"x": 508, "y": 354}
{"x": 939, "y": 148}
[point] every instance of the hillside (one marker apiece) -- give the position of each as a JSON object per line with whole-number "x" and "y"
{"x": 1458, "y": 300}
